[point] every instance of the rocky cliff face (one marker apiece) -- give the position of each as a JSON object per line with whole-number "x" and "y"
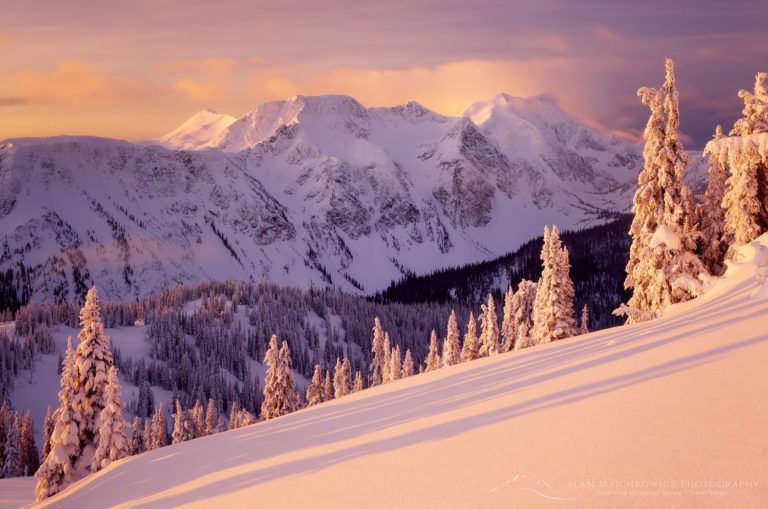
{"x": 309, "y": 190}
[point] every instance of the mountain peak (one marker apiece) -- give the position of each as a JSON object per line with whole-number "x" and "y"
{"x": 197, "y": 131}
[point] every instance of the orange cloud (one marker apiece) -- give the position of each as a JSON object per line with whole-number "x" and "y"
{"x": 446, "y": 88}
{"x": 201, "y": 90}
{"x": 73, "y": 83}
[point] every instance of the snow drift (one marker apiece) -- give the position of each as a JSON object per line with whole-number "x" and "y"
{"x": 669, "y": 412}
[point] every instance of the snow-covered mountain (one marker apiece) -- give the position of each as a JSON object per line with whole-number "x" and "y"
{"x": 308, "y": 190}
{"x": 668, "y": 412}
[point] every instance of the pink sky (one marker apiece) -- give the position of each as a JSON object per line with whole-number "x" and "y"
{"x": 137, "y": 69}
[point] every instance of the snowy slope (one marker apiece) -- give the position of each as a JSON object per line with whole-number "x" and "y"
{"x": 307, "y": 190}
{"x": 195, "y": 133}
{"x": 665, "y": 413}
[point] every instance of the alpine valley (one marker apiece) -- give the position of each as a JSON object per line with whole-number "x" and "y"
{"x": 304, "y": 191}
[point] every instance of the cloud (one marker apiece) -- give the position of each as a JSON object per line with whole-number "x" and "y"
{"x": 73, "y": 83}
{"x": 13, "y": 101}
{"x": 206, "y": 91}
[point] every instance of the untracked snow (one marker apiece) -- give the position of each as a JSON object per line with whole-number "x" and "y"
{"x": 666, "y": 413}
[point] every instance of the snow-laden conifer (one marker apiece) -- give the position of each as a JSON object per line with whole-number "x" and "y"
{"x": 136, "y": 439}
{"x": 91, "y": 367}
{"x": 377, "y": 368}
{"x": 341, "y": 381}
{"x": 451, "y": 345}
{"x": 29, "y": 454}
{"x": 470, "y": 350}
{"x": 14, "y": 460}
{"x": 211, "y": 418}
{"x": 553, "y": 305}
{"x": 385, "y": 375}
{"x": 433, "y": 360}
{"x": 280, "y": 396}
{"x": 489, "y": 329}
{"x": 328, "y": 387}
{"x": 315, "y": 389}
{"x": 408, "y": 364}
{"x": 48, "y": 425}
{"x": 113, "y": 444}
{"x": 711, "y": 214}
{"x": 57, "y": 469}
{"x": 183, "y": 425}
{"x": 358, "y": 384}
{"x": 583, "y": 329}
{"x": 395, "y": 364}
{"x": 662, "y": 268}
{"x": 522, "y": 320}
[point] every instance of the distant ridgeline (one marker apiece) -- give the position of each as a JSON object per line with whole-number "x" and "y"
{"x": 598, "y": 258}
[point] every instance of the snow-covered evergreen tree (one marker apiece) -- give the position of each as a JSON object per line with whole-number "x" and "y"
{"x": 57, "y": 469}
{"x": 377, "y": 368}
{"x": 471, "y": 348}
{"x": 198, "y": 419}
{"x": 148, "y": 445}
{"x": 113, "y": 444}
{"x": 522, "y": 321}
{"x": 328, "y": 387}
{"x": 233, "y": 411}
{"x": 583, "y": 329}
{"x": 280, "y": 396}
{"x": 159, "y": 428}
{"x": 451, "y": 345}
{"x": 408, "y": 364}
{"x": 712, "y": 215}
{"x": 489, "y": 327}
{"x": 745, "y": 198}
{"x": 385, "y": 375}
{"x": 211, "y": 418}
{"x": 136, "y": 440}
{"x": 341, "y": 379}
{"x": 183, "y": 425}
{"x": 755, "y": 119}
{"x": 93, "y": 359}
{"x": 358, "y": 385}
{"x": 14, "y": 460}
{"x": 395, "y": 364}
{"x": 553, "y": 305}
{"x": 30, "y": 456}
{"x": 507, "y": 333}
{"x": 47, "y": 431}
{"x": 662, "y": 268}
{"x": 433, "y": 360}
{"x": 315, "y": 389}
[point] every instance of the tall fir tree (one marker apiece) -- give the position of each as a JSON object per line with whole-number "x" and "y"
{"x": 711, "y": 215}
{"x": 328, "y": 387}
{"x": 376, "y": 370}
{"x": 315, "y": 389}
{"x": 433, "y": 360}
{"x": 583, "y": 328}
{"x": 408, "y": 364}
{"x": 522, "y": 320}
{"x": 136, "y": 439}
{"x": 507, "y": 333}
{"x": 553, "y": 306}
{"x": 385, "y": 375}
{"x": 663, "y": 268}
{"x": 93, "y": 359}
{"x": 489, "y": 329}
{"x": 395, "y": 364}
{"x": 113, "y": 444}
{"x": 451, "y": 345}
{"x": 470, "y": 350}
{"x": 280, "y": 397}
{"x": 211, "y": 418}
{"x": 14, "y": 460}
{"x": 47, "y": 431}
{"x": 56, "y": 471}
{"x": 341, "y": 381}
{"x": 159, "y": 428}
{"x": 30, "y": 455}
{"x": 755, "y": 119}
{"x": 358, "y": 385}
